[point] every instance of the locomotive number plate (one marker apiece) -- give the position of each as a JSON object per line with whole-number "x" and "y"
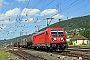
{"x": 58, "y": 38}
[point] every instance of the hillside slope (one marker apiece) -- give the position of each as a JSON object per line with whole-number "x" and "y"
{"x": 74, "y": 23}
{"x": 8, "y": 41}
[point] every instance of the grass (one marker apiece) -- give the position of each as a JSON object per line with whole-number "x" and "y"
{"x": 81, "y": 45}
{"x": 5, "y": 55}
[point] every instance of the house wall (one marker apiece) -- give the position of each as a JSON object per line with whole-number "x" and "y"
{"x": 89, "y": 41}
{"x": 86, "y": 41}
{"x": 79, "y": 42}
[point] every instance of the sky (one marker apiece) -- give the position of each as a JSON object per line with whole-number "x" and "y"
{"x": 23, "y": 17}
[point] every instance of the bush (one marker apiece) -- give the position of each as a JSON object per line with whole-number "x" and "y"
{"x": 70, "y": 43}
{"x": 83, "y": 43}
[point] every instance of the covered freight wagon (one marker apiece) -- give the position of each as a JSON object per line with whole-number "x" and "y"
{"x": 23, "y": 42}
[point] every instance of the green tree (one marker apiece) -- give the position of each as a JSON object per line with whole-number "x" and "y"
{"x": 83, "y": 43}
{"x": 86, "y": 33}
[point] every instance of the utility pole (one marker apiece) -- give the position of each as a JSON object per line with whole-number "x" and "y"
{"x": 17, "y": 42}
{"x": 59, "y": 22}
{"x": 5, "y": 42}
{"x": 20, "y": 35}
{"x": 59, "y": 19}
{"x": 50, "y": 20}
{"x": 39, "y": 26}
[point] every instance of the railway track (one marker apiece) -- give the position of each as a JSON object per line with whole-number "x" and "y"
{"x": 25, "y": 55}
{"x": 79, "y": 54}
{"x": 75, "y": 54}
{"x": 83, "y": 54}
{"x": 82, "y": 49}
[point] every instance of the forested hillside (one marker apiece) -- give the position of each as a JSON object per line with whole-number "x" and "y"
{"x": 13, "y": 40}
{"x": 74, "y": 23}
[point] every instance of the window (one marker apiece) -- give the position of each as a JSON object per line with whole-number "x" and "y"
{"x": 57, "y": 33}
{"x": 61, "y": 33}
{"x": 54, "y": 32}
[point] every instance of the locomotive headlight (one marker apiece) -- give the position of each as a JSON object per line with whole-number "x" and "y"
{"x": 62, "y": 38}
{"x": 53, "y": 39}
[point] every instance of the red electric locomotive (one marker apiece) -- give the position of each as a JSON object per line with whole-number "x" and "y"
{"x": 50, "y": 39}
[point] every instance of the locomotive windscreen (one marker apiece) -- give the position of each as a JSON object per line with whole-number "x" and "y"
{"x": 57, "y": 33}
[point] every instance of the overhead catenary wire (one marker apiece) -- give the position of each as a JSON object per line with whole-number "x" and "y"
{"x": 70, "y": 6}
{"x": 75, "y": 4}
{"x": 42, "y": 7}
{"x": 59, "y": 12}
{"x": 63, "y": 9}
{"x": 19, "y": 18}
{"x": 76, "y": 9}
{"x": 45, "y": 6}
{"x": 31, "y": 9}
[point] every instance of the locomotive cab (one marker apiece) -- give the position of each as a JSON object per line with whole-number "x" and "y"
{"x": 57, "y": 39}
{"x": 58, "y": 36}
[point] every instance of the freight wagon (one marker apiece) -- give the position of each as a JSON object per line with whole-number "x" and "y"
{"x": 16, "y": 44}
{"x": 23, "y": 42}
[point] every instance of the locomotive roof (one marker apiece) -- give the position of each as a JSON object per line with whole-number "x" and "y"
{"x": 47, "y": 29}
{"x": 39, "y": 33}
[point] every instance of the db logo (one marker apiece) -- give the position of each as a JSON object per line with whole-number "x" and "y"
{"x": 58, "y": 38}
